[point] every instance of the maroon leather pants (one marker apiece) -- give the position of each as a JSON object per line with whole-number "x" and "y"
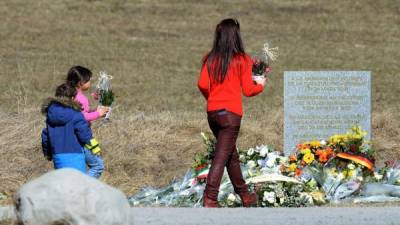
{"x": 225, "y": 126}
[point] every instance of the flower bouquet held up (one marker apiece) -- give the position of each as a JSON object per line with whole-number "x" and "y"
{"x": 104, "y": 91}
{"x": 262, "y": 63}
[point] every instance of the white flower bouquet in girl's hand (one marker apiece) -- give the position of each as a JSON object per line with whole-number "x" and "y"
{"x": 262, "y": 63}
{"x": 104, "y": 92}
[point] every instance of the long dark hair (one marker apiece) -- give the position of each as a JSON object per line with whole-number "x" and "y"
{"x": 78, "y": 75}
{"x": 227, "y": 44}
{"x": 65, "y": 90}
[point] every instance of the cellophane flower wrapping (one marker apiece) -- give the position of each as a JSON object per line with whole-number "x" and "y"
{"x": 105, "y": 93}
{"x": 294, "y": 181}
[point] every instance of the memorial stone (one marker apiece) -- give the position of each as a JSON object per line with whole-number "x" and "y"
{"x": 318, "y": 104}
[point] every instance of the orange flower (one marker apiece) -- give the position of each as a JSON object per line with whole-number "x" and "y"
{"x": 299, "y": 146}
{"x": 292, "y": 158}
{"x": 298, "y": 172}
{"x": 322, "y": 156}
{"x": 329, "y": 152}
{"x": 202, "y": 166}
{"x": 305, "y": 146}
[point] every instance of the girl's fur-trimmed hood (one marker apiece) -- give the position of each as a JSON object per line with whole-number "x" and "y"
{"x": 67, "y": 102}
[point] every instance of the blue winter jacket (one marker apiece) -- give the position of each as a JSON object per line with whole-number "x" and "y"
{"x": 66, "y": 129}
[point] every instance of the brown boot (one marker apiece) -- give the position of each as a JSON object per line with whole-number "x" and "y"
{"x": 210, "y": 203}
{"x": 249, "y": 199}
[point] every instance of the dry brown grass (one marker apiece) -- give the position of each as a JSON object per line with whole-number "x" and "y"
{"x": 154, "y": 52}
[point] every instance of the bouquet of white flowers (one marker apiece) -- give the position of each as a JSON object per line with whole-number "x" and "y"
{"x": 104, "y": 91}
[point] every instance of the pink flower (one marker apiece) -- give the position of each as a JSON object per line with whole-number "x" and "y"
{"x": 256, "y": 61}
{"x": 95, "y": 95}
{"x": 268, "y": 70}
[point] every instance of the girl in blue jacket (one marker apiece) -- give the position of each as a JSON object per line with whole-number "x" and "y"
{"x": 66, "y": 130}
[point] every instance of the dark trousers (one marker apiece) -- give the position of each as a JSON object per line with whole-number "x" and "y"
{"x": 225, "y": 126}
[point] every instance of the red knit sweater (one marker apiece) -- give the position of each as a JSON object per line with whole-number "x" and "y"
{"x": 228, "y": 94}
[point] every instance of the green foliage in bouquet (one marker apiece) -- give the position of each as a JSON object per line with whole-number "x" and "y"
{"x": 204, "y": 158}
{"x": 259, "y": 66}
{"x": 106, "y": 97}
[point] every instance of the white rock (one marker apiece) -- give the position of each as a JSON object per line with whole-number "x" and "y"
{"x": 67, "y": 196}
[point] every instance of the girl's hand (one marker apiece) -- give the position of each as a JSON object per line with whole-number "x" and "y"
{"x": 102, "y": 110}
{"x": 262, "y": 81}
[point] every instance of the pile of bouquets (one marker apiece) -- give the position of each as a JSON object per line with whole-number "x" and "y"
{"x": 336, "y": 170}
{"x": 255, "y": 162}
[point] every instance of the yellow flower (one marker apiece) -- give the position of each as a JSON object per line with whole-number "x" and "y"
{"x": 357, "y": 136}
{"x": 305, "y": 151}
{"x": 292, "y": 167}
{"x": 315, "y": 144}
{"x": 337, "y": 139}
{"x": 348, "y": 173}
{"x": 308, "y": 158}
{"x": 358, "y": 131}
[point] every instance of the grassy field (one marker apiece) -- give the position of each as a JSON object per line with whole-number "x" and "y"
{"x": 154, "y": 52}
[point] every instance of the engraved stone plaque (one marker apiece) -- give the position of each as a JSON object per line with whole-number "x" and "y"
{"x": 318, "y": 104}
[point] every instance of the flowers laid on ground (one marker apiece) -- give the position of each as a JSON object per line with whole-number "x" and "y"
{"x": 338, "y": 164}
{"x": 202, "y": 161}
{"x": 261, "y": 160}
{"x": 104, "y": 91}
{"x": 262, "y": 168}
{"x": 349, "y": 147}
{"x": 262, "y": 63}
{"x": 332, "y": 170}
{"x": 283, "y": 194}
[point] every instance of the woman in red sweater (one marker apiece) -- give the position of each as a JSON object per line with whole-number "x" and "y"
{"x": 225, "y": 74}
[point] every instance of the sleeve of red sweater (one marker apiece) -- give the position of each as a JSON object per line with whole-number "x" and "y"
{"x": 249, "y": 88}
{"x": 204, "y": 82}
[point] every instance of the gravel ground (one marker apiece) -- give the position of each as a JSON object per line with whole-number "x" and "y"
{"x": 264, "y": 216}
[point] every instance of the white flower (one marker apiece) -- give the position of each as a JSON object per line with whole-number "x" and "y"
{"x": 250, "y": 152}
{"x": 242, "y": 158}
{"x": 351, "y": 166}
{"x": 269, "y": 197}
{"x": 323, "y": 142}
{"x": 340, "y": 176}
{"x": 264, "y": 151}
{"x": 185, "y": 192}
{"x": 271, "y": 160}
{"x": 261, "y": 162}
{"x": 378, "y": 176}
{"x": 231, "y": 197}
{"x": 283, "y": 159}
{"x": 251, "y": 164}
